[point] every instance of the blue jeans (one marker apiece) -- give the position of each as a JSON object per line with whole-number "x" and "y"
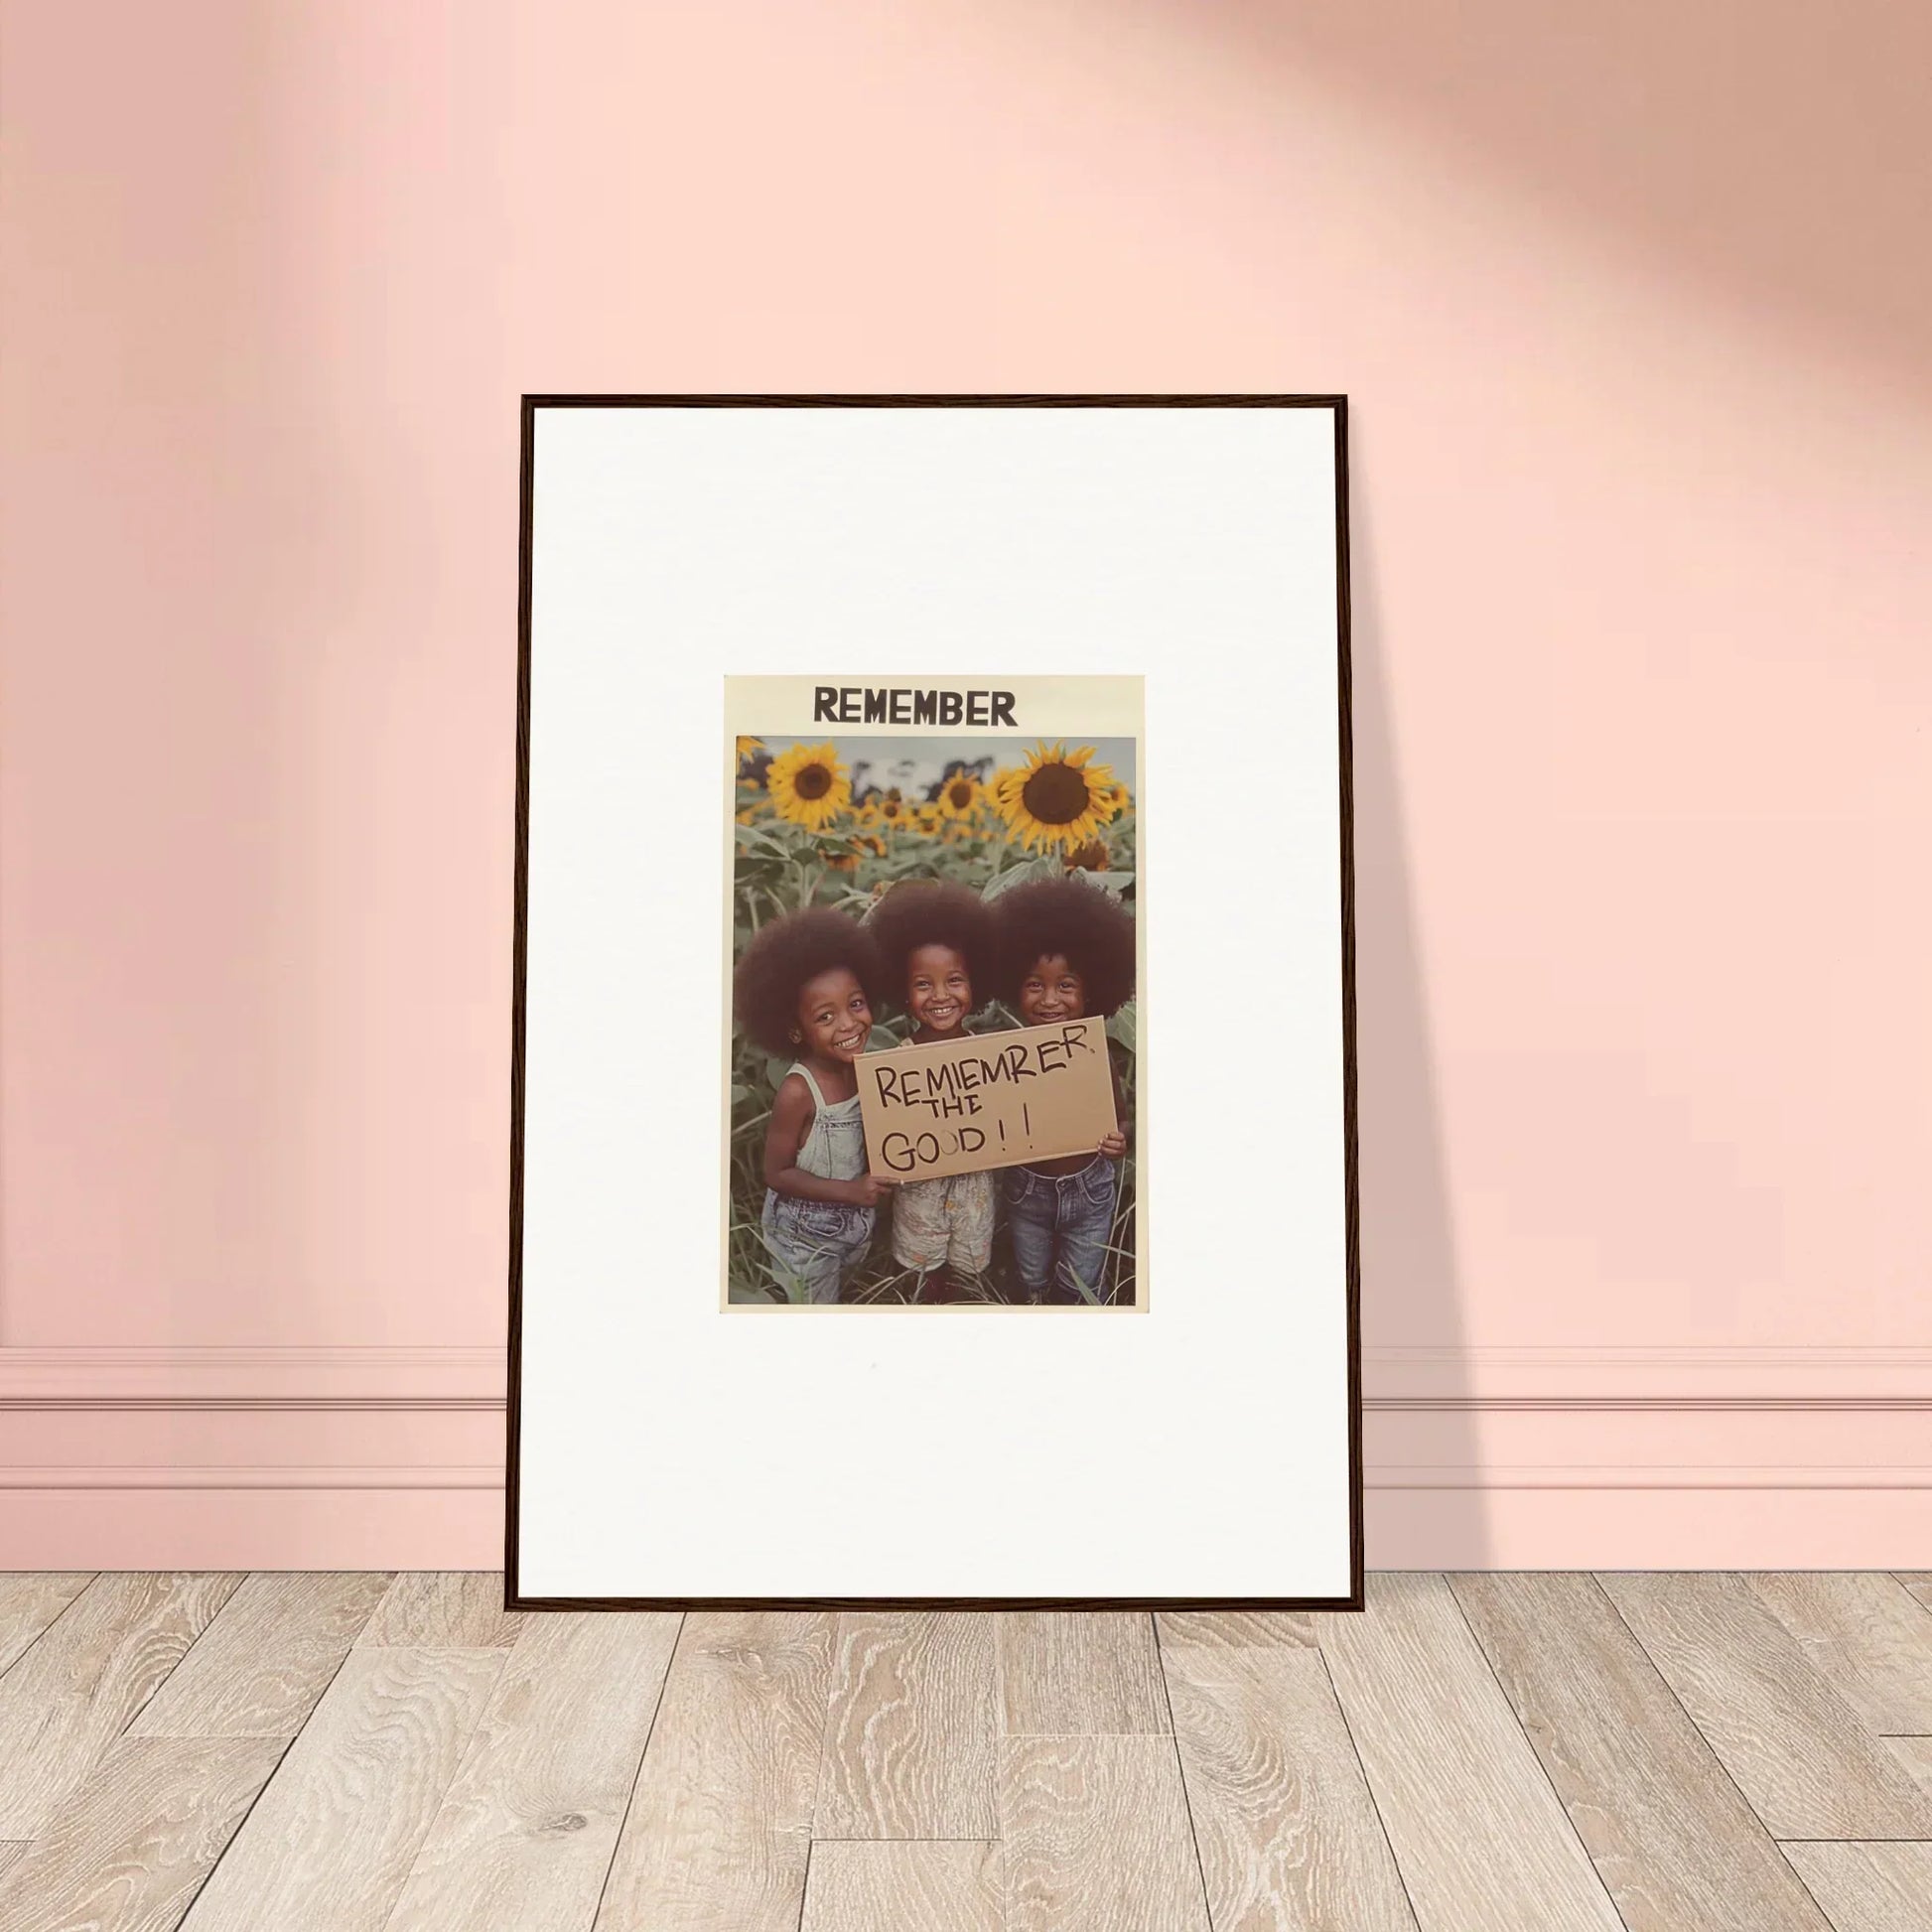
{"x": 1060, "y": 1227}
{"x": 814, "y": 1244}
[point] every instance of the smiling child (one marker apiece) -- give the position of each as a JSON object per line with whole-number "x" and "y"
{"x": 1066, "y": 950}
{"x": 805, "y": 986}
{"x": 938, "y": 948}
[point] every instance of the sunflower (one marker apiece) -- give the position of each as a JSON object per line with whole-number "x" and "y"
{"x": 929, "y": 817}
{"x": 892, "y": 809}
{"x": 808, "y": 785}
{"x": 1091, "y": 856}
{"x": 1057, "y": 798}
{"x": 959, "y": 796}
{"x": 866, "y": 816}
{"x": 869, "y": 842}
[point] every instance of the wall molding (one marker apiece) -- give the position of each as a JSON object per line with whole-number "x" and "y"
{"x": 1570, "y": 1379}
{"x": 1490, "y": 1476}
{"x": 306, "y": 1475}
{"x": 1474, "y": 1458}
{"x": 1467, "y": 1477}
{"x": 1614, "y": 1379}
{"x": 113, "y": 1378}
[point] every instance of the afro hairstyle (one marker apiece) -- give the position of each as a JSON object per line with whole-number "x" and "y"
{"x": 784, "y": 956}
{"x": 1084, "y": 925}
{"x": 928, "y": 912}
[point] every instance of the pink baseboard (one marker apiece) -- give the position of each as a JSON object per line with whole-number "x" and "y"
{"x": 373, "y": 1457}
{"x": 251, "y": 1529}
{"x": 1407, "y": 1529}
{"x": 1712, "y": 1528}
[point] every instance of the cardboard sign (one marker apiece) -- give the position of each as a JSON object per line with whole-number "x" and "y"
{"x": 987, "y": 1100}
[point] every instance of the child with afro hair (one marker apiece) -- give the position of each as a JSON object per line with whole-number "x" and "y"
{"x": 940, "y": 952}
{"x": 1067, "y": 952}
{"x": 806, "y": 985}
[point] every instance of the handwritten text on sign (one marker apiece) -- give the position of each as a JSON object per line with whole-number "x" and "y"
{"x": 988, "y": 1100}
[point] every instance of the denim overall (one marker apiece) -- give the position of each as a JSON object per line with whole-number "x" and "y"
{"x": 814, "y": 1243}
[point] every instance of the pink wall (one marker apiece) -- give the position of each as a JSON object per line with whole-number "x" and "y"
{"x": 1634, "y": 306}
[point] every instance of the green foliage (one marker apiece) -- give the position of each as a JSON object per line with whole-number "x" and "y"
{"x": 1022, "y": 874}
{"x": 781, "y": 867}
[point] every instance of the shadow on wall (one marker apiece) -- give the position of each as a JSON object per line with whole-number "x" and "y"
{"x": 1411, "y": 1288}
{"x": 1773, "y": 149}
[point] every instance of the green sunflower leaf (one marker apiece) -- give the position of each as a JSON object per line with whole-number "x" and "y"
{"x": 1020, "y": 875}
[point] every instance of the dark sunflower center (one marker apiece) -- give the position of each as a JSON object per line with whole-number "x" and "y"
{"x": 961, "y": 795}
{"x": 811, "y": 781}
{"x": 1056, "y": 795}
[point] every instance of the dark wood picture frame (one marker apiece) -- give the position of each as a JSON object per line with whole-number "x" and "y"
{"x": 515, "y": 1598}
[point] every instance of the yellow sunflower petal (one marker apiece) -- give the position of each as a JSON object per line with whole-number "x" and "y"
{"x": 808, "y": 785}
{"x": 1054, "y": 801}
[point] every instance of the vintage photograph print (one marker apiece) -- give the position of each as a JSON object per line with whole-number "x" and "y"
{"x": 935, "y": 1032}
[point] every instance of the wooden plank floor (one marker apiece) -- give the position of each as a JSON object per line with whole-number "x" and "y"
{"x": 1623, "y": 1754}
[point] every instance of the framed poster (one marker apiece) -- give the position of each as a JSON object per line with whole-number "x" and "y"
{"x": 933, "y": 1167}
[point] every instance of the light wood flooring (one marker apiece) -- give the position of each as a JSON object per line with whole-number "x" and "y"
{"x": 1477, "y": 1754}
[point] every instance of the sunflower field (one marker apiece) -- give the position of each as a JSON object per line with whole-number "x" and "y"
{"x": 805, "y": 837}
